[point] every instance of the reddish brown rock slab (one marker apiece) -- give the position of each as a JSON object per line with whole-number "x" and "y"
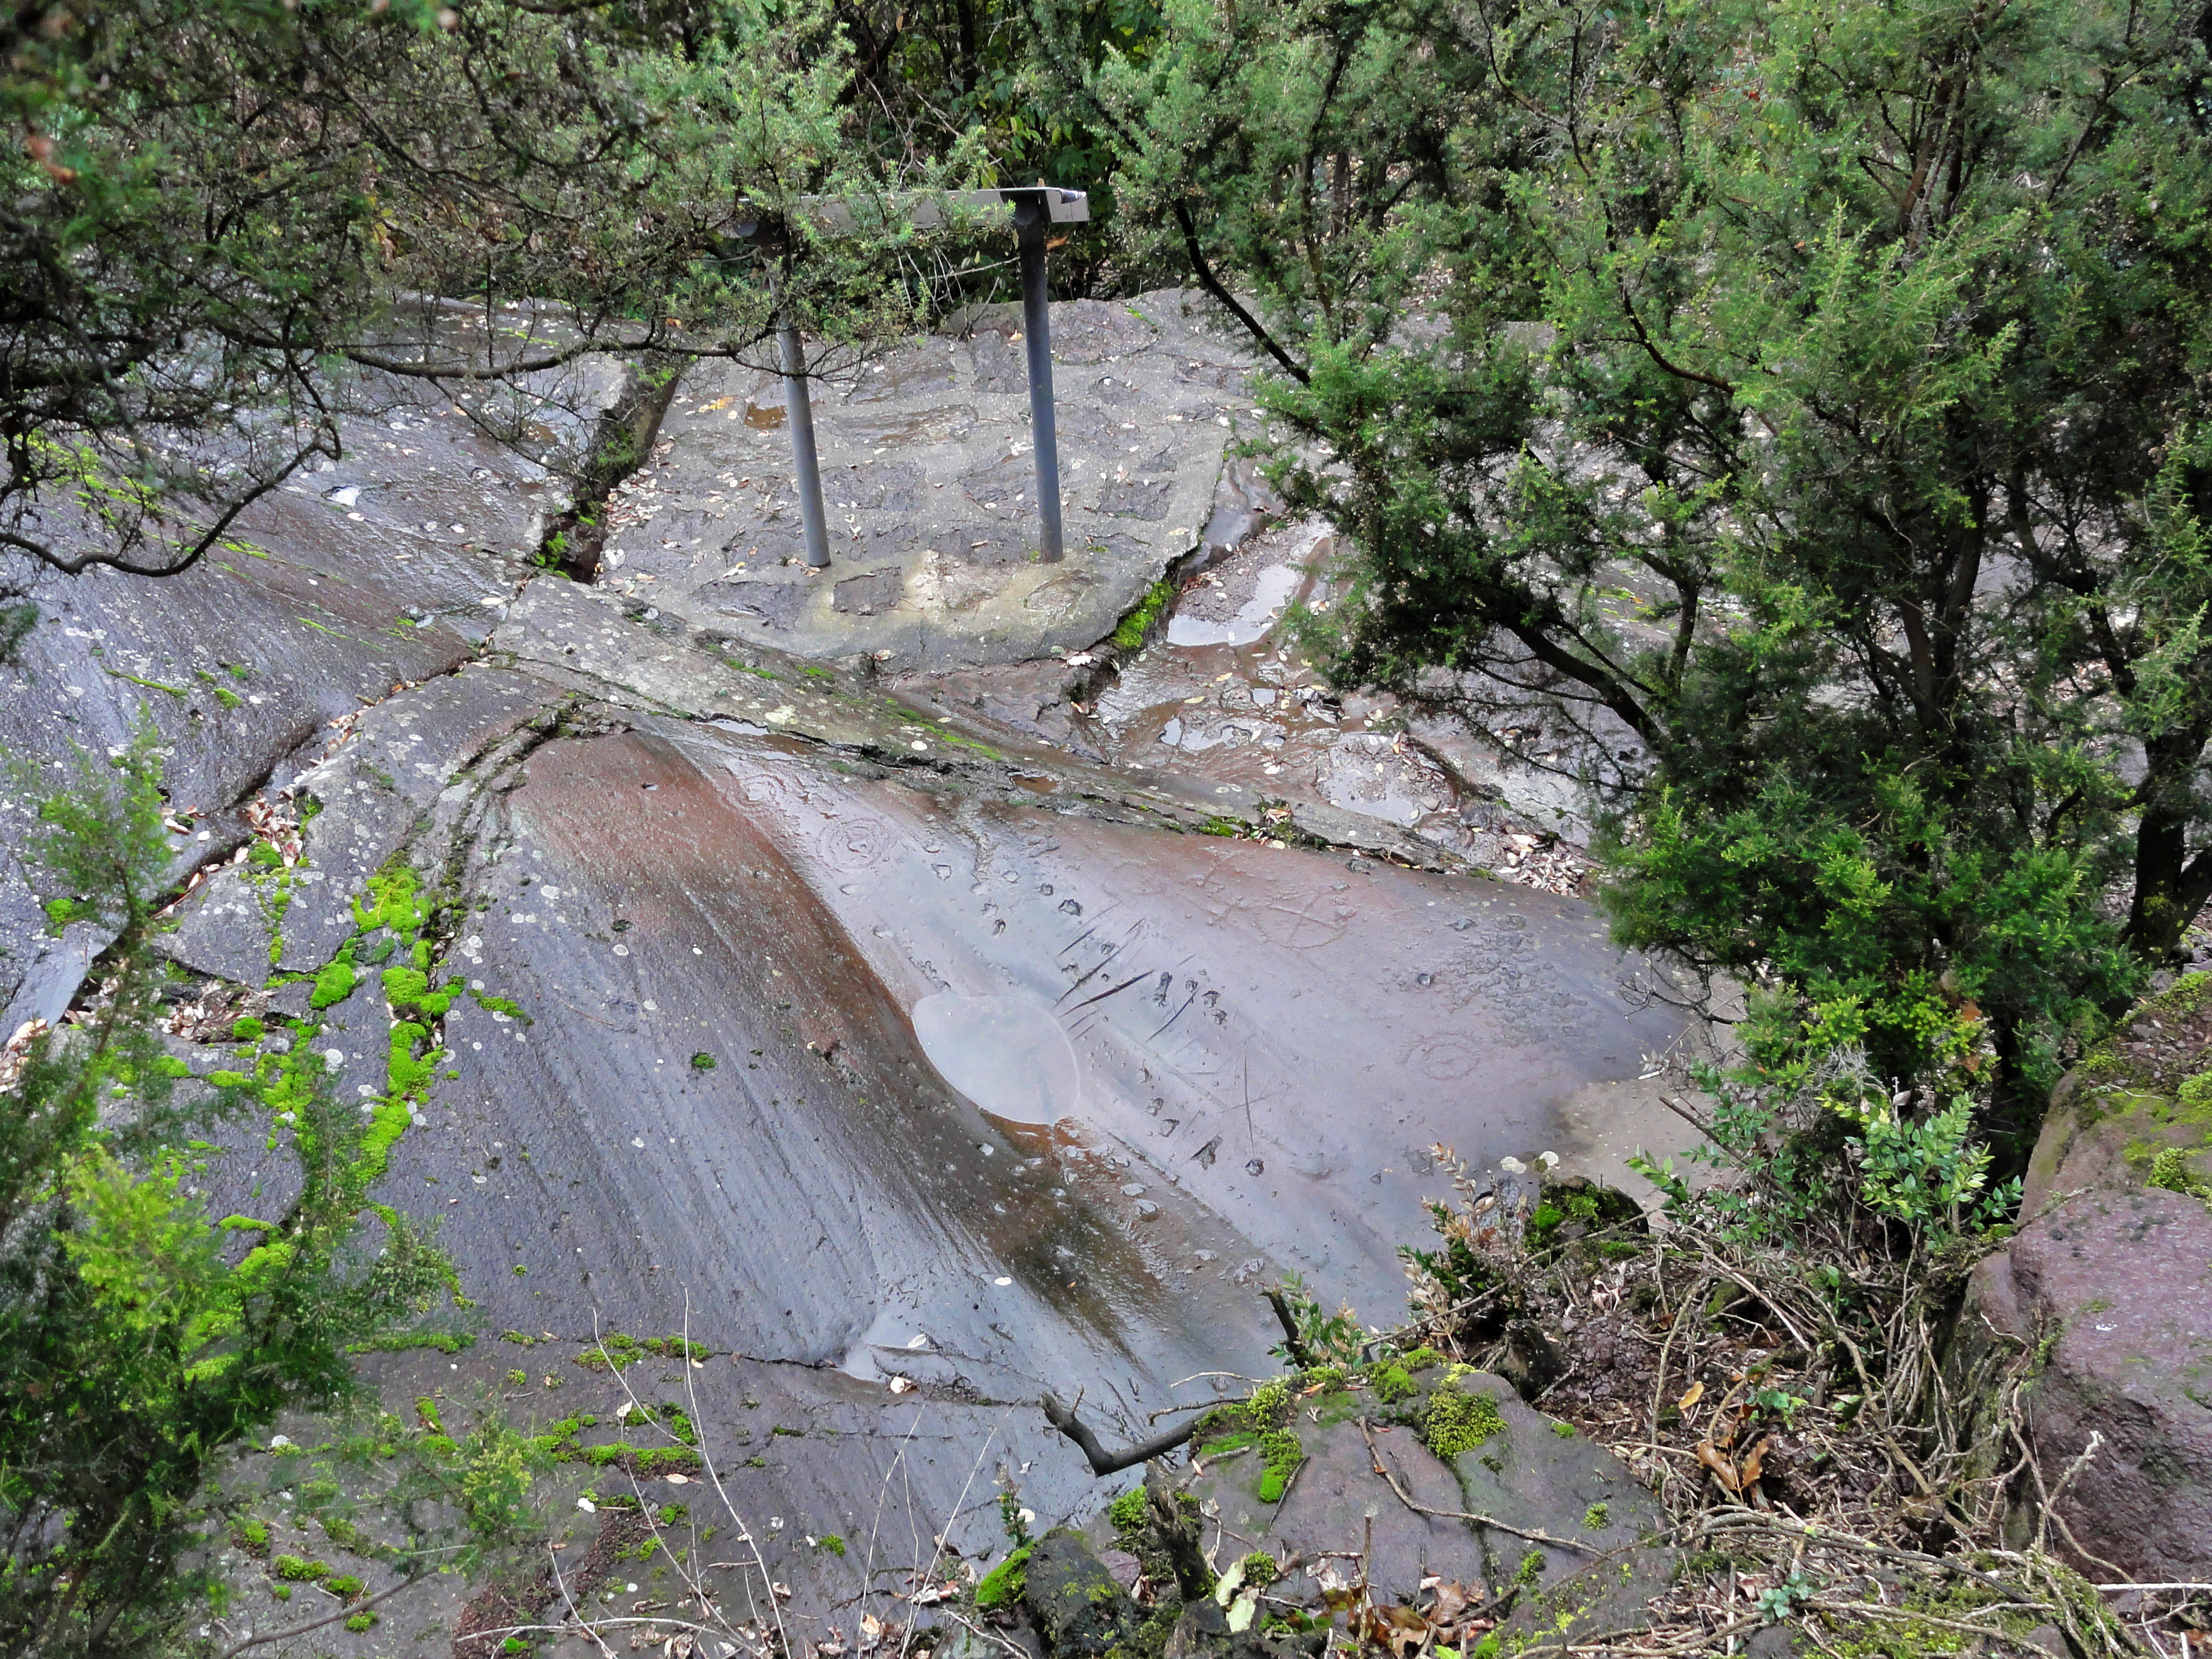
{"x": 2123, "y": 1280}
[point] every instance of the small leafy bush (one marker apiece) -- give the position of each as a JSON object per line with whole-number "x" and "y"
{"x": 1819, "y": 1138}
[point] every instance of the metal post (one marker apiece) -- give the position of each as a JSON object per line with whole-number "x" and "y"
{"x": 1032, "y": 221}
{"x": 764, "y": 236}
{"x": 798, "y": 410}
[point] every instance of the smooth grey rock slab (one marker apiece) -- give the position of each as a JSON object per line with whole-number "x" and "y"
{"x": 1276, "y": 1035}
{"x": 354, "y": 580}
{"x": 373, "y": 785}
{"x": 927, "y": 464}
{"x": 814, "y": 1194}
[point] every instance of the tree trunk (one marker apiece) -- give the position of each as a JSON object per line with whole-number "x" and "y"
{"x": 2170, "y": 886}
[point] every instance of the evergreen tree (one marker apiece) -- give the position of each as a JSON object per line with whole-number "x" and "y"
{"x": 142, "y": 1335}
{"x": 1796, "y": 411}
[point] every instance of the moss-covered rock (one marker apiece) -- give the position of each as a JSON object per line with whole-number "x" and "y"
{"x": 1506, "y": 1461}
{"x": 2107, "y": 1286}
{"x": 2146, "y": 1092}
{"x": 1072, "y": 1600}
{"x": 1002, "y": 1586}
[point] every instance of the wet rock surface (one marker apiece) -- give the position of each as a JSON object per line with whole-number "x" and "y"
{"x": 929, "y": 477}
{"x": 345, "y": 587}
{"x": 2108, "y": 1284}
{"x": 1219, "y": 697}
{"x": 908, "y": 1051}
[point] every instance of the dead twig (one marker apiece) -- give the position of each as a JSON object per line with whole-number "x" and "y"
{"x": 1103, "y": 1462}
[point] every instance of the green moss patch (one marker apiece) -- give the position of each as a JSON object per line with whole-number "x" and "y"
{"x": 1134, "y": 628}
{"x": 2170, "y": 1172}
{"x": 1457, "y": 1421}
{"x": 1003, "y": 1585}
{"x": 1392, "y": 1384}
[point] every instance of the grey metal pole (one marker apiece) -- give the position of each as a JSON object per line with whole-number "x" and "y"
{"x": 764, "y": 236}
{"x": 1032, "y": 221}
{"x": 799, "y": 409}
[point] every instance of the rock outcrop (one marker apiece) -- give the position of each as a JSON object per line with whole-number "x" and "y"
{"x": 2107, "y": 1285}
{"x": 1423, "y": 1501}
{"x": 896, "y": 1059}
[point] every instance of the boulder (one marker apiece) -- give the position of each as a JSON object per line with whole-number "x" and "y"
{"x": 1078, "y": 1607}
{"x": 1433, "y": 1482}
{"x": 2108, "y": 1284}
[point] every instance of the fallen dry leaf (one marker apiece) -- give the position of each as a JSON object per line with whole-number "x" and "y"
{"x": 1753, "y": 1464}
{"x": 1696, "y": 1393}
{"x": 1401, "y": 1630}
{"x": 1452, "y": 1600}
{"x": 1723, "y": 1471}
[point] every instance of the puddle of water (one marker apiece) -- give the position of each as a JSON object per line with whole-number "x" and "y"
{"x": 1365, "y": 773}
{"x": 1277, "y": 586}
{"x": 1008, "y": 1054}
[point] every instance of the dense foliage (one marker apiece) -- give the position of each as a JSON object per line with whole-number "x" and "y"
{"x": 141, "y": 1333}
{"x": 928, "y": 74}
{"x": 1795, "y": 413}
{"x": 216, "y": 207}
